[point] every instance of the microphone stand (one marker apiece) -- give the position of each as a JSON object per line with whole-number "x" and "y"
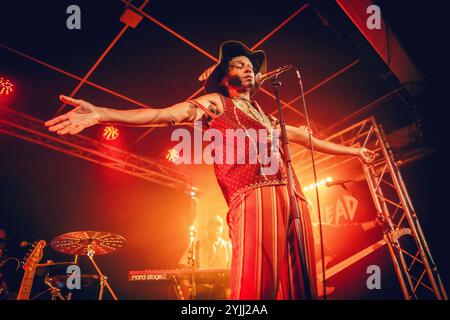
{"x": 296, "y": 215}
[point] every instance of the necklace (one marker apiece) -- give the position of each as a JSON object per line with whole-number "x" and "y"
{"x": 247, "y": 107}
{"x": 240, "y": 98}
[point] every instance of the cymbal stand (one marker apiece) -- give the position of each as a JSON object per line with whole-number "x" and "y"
{"x": 54, "y": 291}
{"x": 75, "y": 261}
{"x": 103, "y": 278}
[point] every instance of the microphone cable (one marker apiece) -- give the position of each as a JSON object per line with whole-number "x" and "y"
{"x": 315, "y": 182}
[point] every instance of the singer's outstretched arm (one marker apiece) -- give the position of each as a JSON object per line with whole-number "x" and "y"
{"x": 301, "y": 136}
{"x": 86, "y": 114}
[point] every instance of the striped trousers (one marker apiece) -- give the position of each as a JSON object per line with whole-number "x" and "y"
{"x": 266, "y": 260}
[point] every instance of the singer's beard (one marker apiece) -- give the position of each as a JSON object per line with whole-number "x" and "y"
{"x": 236, "y": 82}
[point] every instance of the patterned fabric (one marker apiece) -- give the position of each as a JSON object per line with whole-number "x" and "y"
{"x": 235, "y": 179}
{"x": 266, "y": 256}
{"x": 266, "y": 262}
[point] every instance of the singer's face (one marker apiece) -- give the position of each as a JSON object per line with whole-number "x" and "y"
{"x": 240, "y": 73}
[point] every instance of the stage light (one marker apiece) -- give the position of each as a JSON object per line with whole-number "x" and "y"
{"x": 318, "y": 184}
{"x": 6, "y": 87}
{"x": 193, "y": 192}
{"x": 172, "y": 155}
{"x": 110, "y": 133}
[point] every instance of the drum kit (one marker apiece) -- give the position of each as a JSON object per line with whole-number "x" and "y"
{"x": 79, "y": 244}
{"x": 59, "y": 277}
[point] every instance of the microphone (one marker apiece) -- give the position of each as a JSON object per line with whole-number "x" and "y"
{"x": 337, "y": 182}
{"x": 261, "y": 77}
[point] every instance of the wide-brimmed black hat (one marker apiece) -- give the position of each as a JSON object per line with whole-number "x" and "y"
{"x": 229, "y": 50}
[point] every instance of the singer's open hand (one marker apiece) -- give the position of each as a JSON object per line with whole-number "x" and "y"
{"x": 365, "y": 155}
{"x": 84, "y": 115}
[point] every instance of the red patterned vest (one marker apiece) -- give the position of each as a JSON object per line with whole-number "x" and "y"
{"x": 234, "y": 178}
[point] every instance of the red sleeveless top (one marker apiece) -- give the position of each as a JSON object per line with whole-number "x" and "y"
{"x": 235, "y": 178}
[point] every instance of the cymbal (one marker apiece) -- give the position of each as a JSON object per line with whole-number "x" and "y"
{"x": 77, "y": 243}
{"x": 60, "y": 281}
{"x": 54, "y": 264}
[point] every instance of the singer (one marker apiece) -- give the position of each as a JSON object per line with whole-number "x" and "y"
{"x": 265, "y": 260}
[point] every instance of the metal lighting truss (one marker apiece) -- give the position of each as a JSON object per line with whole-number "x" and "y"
{"x": 414, "y": 265}
{"x": 33, "y": 130}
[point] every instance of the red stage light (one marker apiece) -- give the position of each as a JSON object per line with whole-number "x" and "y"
{"x": 172, "y": 155}
{"x": 6, "y": 87}
{"x": 110, "y": 133}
